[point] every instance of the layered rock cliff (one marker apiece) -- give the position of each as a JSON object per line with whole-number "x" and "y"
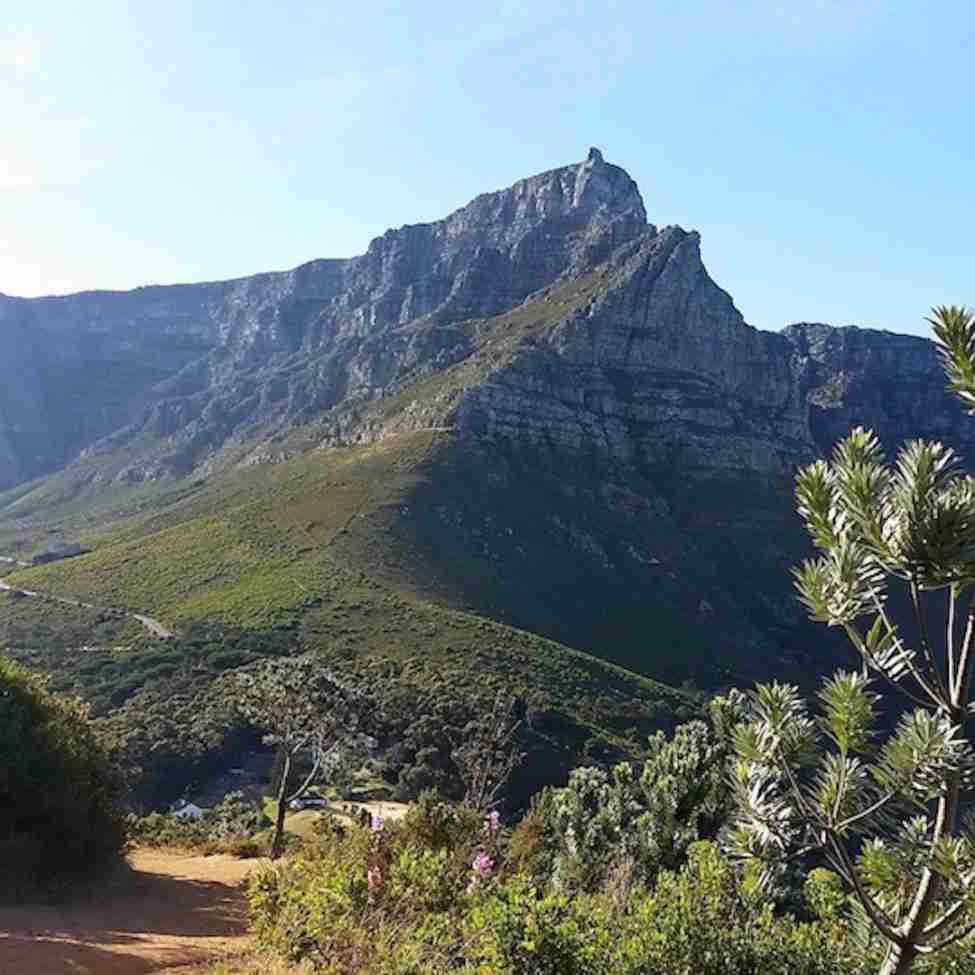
{"x": 618, "y": 442}
{"x": 192, "y": 366}
{"x": 657, "y": 364}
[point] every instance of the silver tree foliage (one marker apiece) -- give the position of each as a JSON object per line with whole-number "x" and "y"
{"x": 888, "y": 814}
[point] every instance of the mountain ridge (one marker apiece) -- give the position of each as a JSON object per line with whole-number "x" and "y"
{"x": 613, "y": 444}
{"x": 229, "y": 332}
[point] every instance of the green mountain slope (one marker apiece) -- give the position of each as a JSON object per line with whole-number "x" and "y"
{"x": 304, "y": 555}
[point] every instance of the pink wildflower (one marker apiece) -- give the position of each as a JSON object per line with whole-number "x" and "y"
{"x": 374, "y": 877}
{"x": 493, "y": 823}
{"x": 483, "y": 866}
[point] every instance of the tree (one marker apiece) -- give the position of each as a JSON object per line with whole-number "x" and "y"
{"x": 648, "y": 819}
{"x": 306, "y": 710}
{"x": 888, "y": 816}
{"x": 60, "y": 815}
{"x": 486, "y": 752}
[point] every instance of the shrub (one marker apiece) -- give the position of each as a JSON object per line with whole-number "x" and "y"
{"x": 409, "y": 899}
{"x": 706, "y": 920}
{"x": 519, "y": 931}
{"x": 233, "y": 826}
{"x": 60, "y": 817}
{"x": 646, "y": 819}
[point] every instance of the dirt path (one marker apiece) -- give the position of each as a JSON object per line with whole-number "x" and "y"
{"x": 170, "y": 910}
{"x": 153, "y": 627}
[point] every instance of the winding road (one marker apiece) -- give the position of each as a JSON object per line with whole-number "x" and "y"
{"x": 153, "y": 627}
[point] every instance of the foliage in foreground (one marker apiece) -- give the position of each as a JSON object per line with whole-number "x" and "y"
{"x": 436, "y": 893}
{"x": 59, "y": 814}
{"x": 889, "y": 815}
{"x": 234, "y": 826}
{"x": 644, "y": 818}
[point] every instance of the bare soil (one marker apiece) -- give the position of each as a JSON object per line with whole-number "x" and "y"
{"x": 168, "y": 911}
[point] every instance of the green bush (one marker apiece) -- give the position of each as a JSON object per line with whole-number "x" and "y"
{"x": 233, "y": 826}
{"x": 645, "y": 819}
{"x": 705, "y": 919}
{"x": 60, "y": 817}
{"x": 519, "y": 931}
{"x": 407, "y": 899}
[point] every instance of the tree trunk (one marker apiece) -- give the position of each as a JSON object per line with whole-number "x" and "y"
{"x": 277, "y": 844}
{"x": 899, "y": 961}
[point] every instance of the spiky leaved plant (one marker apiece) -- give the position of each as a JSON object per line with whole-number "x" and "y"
{"x": 887, "y": 815}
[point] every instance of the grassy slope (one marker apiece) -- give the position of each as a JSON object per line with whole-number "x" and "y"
{"x": 385, "y": 550}
{"x": 304, "y": 551}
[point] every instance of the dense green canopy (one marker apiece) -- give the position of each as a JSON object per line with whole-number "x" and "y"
{"x": 59, "y": 812}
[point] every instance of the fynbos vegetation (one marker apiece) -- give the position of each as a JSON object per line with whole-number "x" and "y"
{"x": 887, "y": 813}
{"x": 60, "y": 812}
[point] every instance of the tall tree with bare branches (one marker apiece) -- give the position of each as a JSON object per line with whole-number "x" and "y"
{"x": 305, "y": 710}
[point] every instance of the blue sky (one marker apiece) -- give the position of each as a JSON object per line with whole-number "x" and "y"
{"x": 824, "y": 149}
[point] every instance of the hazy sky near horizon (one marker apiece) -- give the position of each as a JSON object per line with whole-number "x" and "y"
{"x": 824, "y": 149}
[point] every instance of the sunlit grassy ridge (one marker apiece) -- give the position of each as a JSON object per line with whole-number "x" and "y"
{"x": 428, "y": 545}
{"x": 253, "y": 545}
{"x": 307, "y": 552}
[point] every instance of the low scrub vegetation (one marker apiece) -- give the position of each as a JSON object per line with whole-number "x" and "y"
{"x": 60, "y": 818}
{"x": 441, "y": 891}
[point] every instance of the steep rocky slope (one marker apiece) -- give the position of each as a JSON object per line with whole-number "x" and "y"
{"x": 184, "y": 369}
{"x": 78, "y": 368}
{"x": 612, "y": 445}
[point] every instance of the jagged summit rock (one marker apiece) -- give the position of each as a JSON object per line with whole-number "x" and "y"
{"x": 595, "y": 445}
{"x": 653, "y": 356}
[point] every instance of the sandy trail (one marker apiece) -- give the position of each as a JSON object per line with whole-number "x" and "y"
{"x": 153, "y": 627}
{"x": 170, "y": 910}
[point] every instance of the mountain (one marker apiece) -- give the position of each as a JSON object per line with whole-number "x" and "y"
{"x": 190, "y": 366}
{"x": 540, "y": 410}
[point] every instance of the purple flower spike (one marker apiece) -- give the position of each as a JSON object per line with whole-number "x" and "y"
{"x": 483, "y": 866}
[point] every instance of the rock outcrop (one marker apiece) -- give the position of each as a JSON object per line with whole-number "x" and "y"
{"x": 657, "y": 364}
{"x": 622, "y": 441}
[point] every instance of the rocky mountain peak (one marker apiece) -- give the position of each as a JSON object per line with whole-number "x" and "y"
{"x": 479, "y": 261}
{"x": 605, "y": 332}
{"x": 599, "y": 183}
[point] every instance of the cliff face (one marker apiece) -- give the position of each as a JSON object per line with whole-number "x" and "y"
{"x": 77, "y": 368}
{"x": 619, "y": 442}
{"x": 893, "y": 384}
{"x": 191, "y": 367}
{"x": 657, "y": 365}
{"x": 659, "y": 368}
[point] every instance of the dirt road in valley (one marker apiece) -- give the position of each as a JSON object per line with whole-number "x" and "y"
{"x": 153, "y": 627}
{"x": 170, "y": 910}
